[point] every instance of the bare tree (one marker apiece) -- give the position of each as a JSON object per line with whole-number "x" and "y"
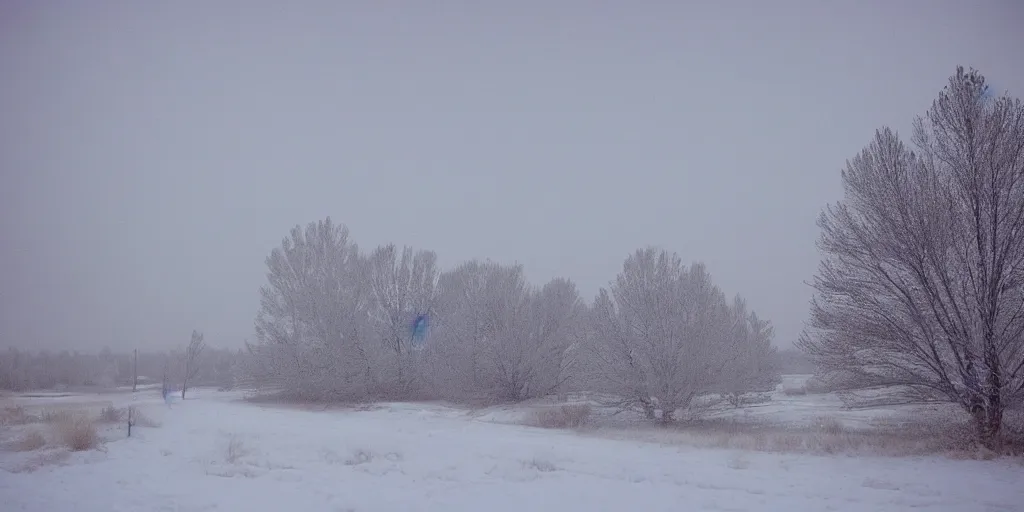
{"x": 192, "y": 352}
{"x": 921, "y": 282}
{"x": 663, "y": 334}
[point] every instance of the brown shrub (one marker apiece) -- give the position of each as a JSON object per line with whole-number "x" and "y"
{"x": 76, "y": 431}
{"x": 564, "y": 416}
{"x": 31, "y": 441}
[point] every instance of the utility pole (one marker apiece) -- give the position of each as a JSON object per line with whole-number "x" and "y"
{"x": 135, "y": 372}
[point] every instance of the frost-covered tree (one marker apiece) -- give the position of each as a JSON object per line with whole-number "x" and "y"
{"x": 312, "y": 323}
{"x": 404, "y": 286}
{"x": 191, "y": 360}
{"x": 663, "y": 334}
{"x": 497, "y": 336}
{"x": 753, "y": 368}
{"x": 476, "y": 304}
{"x": 922, "y": 280}
{"x": 530, "y": 356}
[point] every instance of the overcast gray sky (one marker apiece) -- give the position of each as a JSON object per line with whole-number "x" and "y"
{"x": 153, "y": 153}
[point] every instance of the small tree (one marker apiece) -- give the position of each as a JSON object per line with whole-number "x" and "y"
{"x": 922, "y": 281}
{"x": 753, "y": 367}
{"x": 529, "y": 354}
{"x": 192, "y": 352}
{"x": 479, "y": 305}
{"x": 663, "y": 334}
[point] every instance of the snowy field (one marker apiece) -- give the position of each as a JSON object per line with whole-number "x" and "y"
{"x": 216, "y": 452}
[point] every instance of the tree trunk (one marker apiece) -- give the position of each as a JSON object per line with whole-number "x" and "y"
{"x": 648, "y": 409}
{"x": 184, "y": 380}
{"x": 668, "y": 415}
{"x": 401, "y": 374}
{"x": 988, "y": 421}
{"x": 987, "y": 409}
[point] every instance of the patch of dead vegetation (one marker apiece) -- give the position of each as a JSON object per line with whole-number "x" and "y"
{"x": 37, "y": 462}
{"x": 236, "y": 449}
{"x": 29, "y": 441}
{"x": 16, "y": 415}
{"x": 540, "y": 464}
{"x": 288, "y": 401}
{"x": 140, "y": 419}
{"x": 56, "y": 416}
{"x": 76, "y": 431}
{"x": 828, "y": 436}
{"x": 563, "y": 416}
{"x": 111, "y": 414}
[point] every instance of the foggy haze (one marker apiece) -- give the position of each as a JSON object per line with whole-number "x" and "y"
{"x": 153, "y": 154}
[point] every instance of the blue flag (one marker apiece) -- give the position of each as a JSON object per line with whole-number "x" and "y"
{"x": 419, "y": 330}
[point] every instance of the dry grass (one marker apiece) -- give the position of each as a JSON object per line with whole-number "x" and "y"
{"x": 139, "y": 419}
{"x": 29, "y": 442}
{"x": 236, "y": 450}
{"x": 830, "y": 425}
{"x": 111, "y": 414}
{"x": 563, "y": 416}
{"x": 76, "y": 431}
{"x": 48, "y": 458}
{"x": 15, "y": 416}
{"x": 540, "y": 464}
{"x": 359, "y": 456}
{"x": 826, "y": 436}
{"x": 58, "y": 416}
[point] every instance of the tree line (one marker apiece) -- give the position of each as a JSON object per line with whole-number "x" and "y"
{"x": 920, "y": 290}
{"x": 335, "y": 324}
{"x": 22, "y": 370}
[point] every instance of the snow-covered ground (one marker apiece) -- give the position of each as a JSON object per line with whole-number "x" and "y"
{"x": 214, "y": 452}
{"x": 784, "y": 410}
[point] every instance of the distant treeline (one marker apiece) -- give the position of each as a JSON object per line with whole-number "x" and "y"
{"x": 26, "y": 370}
